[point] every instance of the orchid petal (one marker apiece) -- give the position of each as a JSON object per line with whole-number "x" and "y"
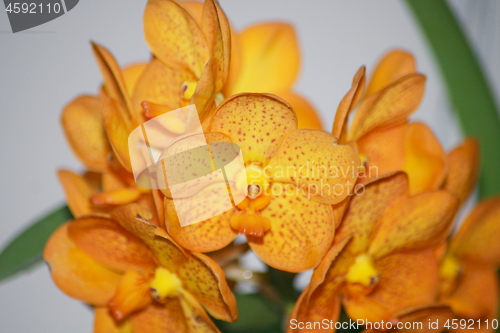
{"x": 161, "y": 318}
{"x": 76, "y": 273}
{"x": 134, "y": 218}
{"x": 82, "y": 124}
{"x": 364, "y": 308}
{"x": 208, "y": 285}
{"x": 419, "y": 222}
{"x": 399, "y": 274}
{"x": 203, "y": 96}
{"x": 301, "y": 231}
{"x": 270, "y": 58}
{"x": 111, "y": 245}
{"x": 196, "y": 317}
{"x": 174, "y": 37}
{"x": 388, "y": 107}
{"x": 477, "y": 238}
{"x": 77, "y": 191}
{"x": 161, "y": 85}
{"x": 307, "y": 115}
{"x": 463, "y": 169}
{"x": 383, "y": 150}
{"x": 313, "y": 161}
{"x": 256, "y": 123}
{"x": 477, "y": 293}
{"x": 131, "y": 75}
{"x": 393, "y": 66}
{"x": 118, "y": 130}
{"x": 216, "y": 29}
{"x": 114, "y": 83}
{"x": 366, "y": 209}
{"x": 324, "y": 305}
{"x": 425, "y": 159}
{"x": 195, "y": 8}
{"x": 205, "y": 236}
{"x": 348, "y": 102}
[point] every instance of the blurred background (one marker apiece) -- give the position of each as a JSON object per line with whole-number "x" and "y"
{"x": 43, "y": 68}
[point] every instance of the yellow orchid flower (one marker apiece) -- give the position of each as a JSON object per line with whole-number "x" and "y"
{"x": 383, "y": 260}
{"x": 469, "y": 267}
{"x": 297, "y": 180}
{"x": 380, "y": 130}
{"x": 137, "y": 278}
{"x": 195, "y": 73}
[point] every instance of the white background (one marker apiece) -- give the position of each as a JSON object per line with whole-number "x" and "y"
{"x": 43, "y": 68}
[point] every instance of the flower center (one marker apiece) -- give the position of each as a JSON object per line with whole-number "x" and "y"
{"x": 248, "y": 220}
{"x": 363, "y": 272}
{"x": 164, "y": 284}
{"x": 187, "y": 89}
{"x": 449, "y": 272}
{"x": 136, "y": 291}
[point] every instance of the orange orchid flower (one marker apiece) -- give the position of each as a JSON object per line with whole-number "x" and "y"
{"x": 384, "y": 137}
{"x": 382, "y": 263}
{"x": 297, "y": 180}
{"x": 469, "y": 267}
{"x": 137, "y": 278}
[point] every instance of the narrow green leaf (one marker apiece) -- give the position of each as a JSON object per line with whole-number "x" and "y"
{"x": 468, "y": 90}
{"x": 25, "y": 250}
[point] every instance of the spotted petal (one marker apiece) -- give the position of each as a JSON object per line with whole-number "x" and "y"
{"x": 255, "y": 122}
{"x": 111, "y": 245}
{"x": 118, "y": 129}
{"x": 348, "y": 102}
{"x": 368, "y": 206}
{"x": 313, "y": 161}
{"x": 206, "y": 281}
{"x": 206, "y": 236}
{"x": 174, "y": 36}
{"x": 419, "y": 222}
{"x": 114, "y": 84}
{"x": 301, "y": 231}
{"x": 135, "y": 218}
{"x": 218, "y": 34}
{"x": 390, "y": 106}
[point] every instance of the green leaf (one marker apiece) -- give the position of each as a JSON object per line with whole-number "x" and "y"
{"x": 25, "y": 250}
{"x": 468, "y": 90}
{"x": 256, "y": 315}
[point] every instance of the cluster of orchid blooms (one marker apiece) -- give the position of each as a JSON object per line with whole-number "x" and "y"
{"x": 384, "y": 250}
